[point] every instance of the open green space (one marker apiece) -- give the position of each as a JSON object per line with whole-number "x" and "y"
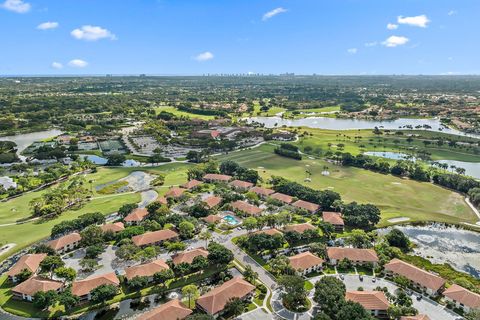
{"x": 395, "y": 197}
{"x": 325, "y": 111}
{"x": 180, "y": 113}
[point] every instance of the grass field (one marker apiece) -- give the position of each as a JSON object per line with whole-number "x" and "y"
{"x": 316, "y": 111}
{"x": 180, "y": 113}
{"x": 394, "y": 196}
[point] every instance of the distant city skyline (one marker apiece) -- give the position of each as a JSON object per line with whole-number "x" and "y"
{"x": 191, "y": 37}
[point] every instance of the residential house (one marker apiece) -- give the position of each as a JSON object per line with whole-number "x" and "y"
{"x": 262, "y": 192}
{"x": 241, "y": 185}
{"x": 305, "y": 263}
{"x": 154, "y": 238}
{"x": 334, "y": 218}
{"x": 213, "y": 218}
{"x": 162, "y": 200}
{"x": 212, "y": 201}
{"x": 175, "y": 192}
{"x": 419, "y": 278}
{"x": 374, "y": 301}
{"x": 172, "y": 310}
{"x": 354, "y": 255}
{"x": 136, "y": 216}
{"x": 300, "y": 228}
{"x": 65, "y": 243}
{"x": 83, "y": 288}
{"x": 189, "y": 255}
{"x": 27, "y": 289}
{"x": 285, "y": 198}
{"x": 30, "y": 262}
{"x": 192, "y": 184}
{"x": 146, "y": 270}
{"x": 246, "y": 208}
{"x": 305, "y": 205}
{"x": 115, "y": 227}
{"x": 462, "y": 298}
{"x": 214, "y": 177}
{"x": 270, "y": 232}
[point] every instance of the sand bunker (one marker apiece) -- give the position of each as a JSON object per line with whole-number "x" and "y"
{"x": 399, "y": 219}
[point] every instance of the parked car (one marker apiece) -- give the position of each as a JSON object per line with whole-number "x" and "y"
{"x": 419, "y": 297}
{"x": 342, "y": 277}
{"x": 374, "y": 280}
{"x": 360, "y": 277}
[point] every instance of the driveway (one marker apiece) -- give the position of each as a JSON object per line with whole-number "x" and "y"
{"x": 257, "y": 314}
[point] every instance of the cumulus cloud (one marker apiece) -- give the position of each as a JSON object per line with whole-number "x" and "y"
{"x": 395, "y": 41}
{"x": 392, "y": 26}
{"x": 78, "y": 63}
{"x": 371, "y": 44}
{"x": 18, "y": 6}
{"x": 92, "y": 33}
{"x": 416, "y": 21}
{"x": 57, "y": 65}
{"x": 204, "y": 56}
{"x": 273, "y": 13}
{"x": 352, "y": 50}
{"x": 47, "y": 25}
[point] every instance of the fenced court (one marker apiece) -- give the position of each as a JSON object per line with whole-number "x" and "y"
{"x": 112, "y": 146}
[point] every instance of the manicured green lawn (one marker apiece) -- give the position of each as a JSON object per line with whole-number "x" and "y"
{"x": 179, "y": 113}
{"x": 394, "y": 196}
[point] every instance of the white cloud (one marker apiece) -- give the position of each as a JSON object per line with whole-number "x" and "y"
{"x": 92, "y": 33}
{"x": 78, "y": 63}
{"x": 392, "y": 26}
{"x": 417, "y": 21}
{"x": 18, "y": 6}
{"x": 395, "y": 41}
{"x": 57, "y": 65}
{"x": 47, "y": 25}
{"x": 452, "y": 12}
{"x": 273, "y": 13}
{"x": 204, "y": 56}
{"x": 352, "y": 50}
{"x": 371, "y": 44}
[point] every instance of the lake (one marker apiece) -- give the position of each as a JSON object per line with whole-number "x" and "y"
{"x": 353, "y": 124}
{"x": 25, "y": 139}
{"x": 446, "y": 244}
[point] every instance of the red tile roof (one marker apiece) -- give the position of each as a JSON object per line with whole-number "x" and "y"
{"x": 415, "y": 274}
{"x": 114, "y": 227}
{"x": 154, "y": 237}
{"x": 305, "y": 260}
{"x": 285, "y": 198}
{"x": 217, "y": 177}
{"x": 352, "y": 254}
{"x": 83, "y": 287}
{"x": 61, "y": 242}
{"x": 309, "y": 206}
{"x": 246, "y": 207}
{"x": 213, "y": 218}
{"x": 189, "y": 255}
{"x": 192, "y": 184}
{"x": 464, "y": 296}
{"x": 270, "y": 232}
{"x": 136, "y": 215}
{"x": 175, "y": 192}
{"x": 300, "y": 228}
{"x": 334, "y": 218}
{"x": 262, "y": 191}
{"x": 161, "y": 200}
{"x": 35, "y": 284}
{"x": 215, "y": 300}
{"x": 212, "y": 201}
{"x": 31, "y": 262}
{"x": 172, "y": 310}
{"x": 370, "y": 300}
{"x": 241, "y": 184}
{"x": 146, "y": 269}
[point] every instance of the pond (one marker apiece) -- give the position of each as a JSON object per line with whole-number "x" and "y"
{"x": 446, "y": 244}
{"x": 352, "y": 124}
{"x": 25, "y": 139}
{"x": 389, "y": 155}
{"x": 103, "y": 161}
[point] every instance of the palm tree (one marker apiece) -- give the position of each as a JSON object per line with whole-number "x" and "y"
{"x": 205, "y": 235}
{"x": 249, "y": 274}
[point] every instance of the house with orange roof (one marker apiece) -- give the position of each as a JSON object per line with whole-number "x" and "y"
{"x": 212, "y": 219}
{"x": 214, "y": 301}
{"x": 30, "y": 262}
{"x": 175, "y": 192}
{"x": 146, "y": 270}
{"x": 246, "y": 208}
{"x": 305, "y": 263}
{"x": 270, "y": 232}
{"x": 305, "y": 205}
{"x": 83, "y": 288}
{"x": 192, "y": 184}
{"x": 27, "y": 289}
{"x": 172, "y": 310}
{"x": 212, "y": 201}
{"x": 65, "y": 243}
{"x": 419, "y": 278}
{"x": 241, "y": 185}
{"x": 300, "y": 228}
{"x": 334, "y": 218}
{"x": 374, "y": 301}
{"x": 115, "y": 227}
{"x": 136, "y": 216}
{"x": 162, "y": 200}
{"x": 462, "y": 298}
{"x": 189, "y": 255}
{"x": 354, "y": 255}
{"x": 285, "y": 198}
{"x": 155, "y": 237}
{"x": 215, "y": 177}
{"x": 262, "y": 192}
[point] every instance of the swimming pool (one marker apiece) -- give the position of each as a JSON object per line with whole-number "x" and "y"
{"x": 231, "y": 220}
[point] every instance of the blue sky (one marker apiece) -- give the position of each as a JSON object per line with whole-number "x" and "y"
{"x": 227, "y": 36}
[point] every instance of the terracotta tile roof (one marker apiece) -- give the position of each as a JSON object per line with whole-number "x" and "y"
{"x": 417, "y": 317}
{"x": 114, "y": 227}
{"x": 305, "y": 260}
{"x": 370, "y": 300}
{"x": 246, "y": 207}
{"x": 83, "y": 287}
{"x": 192, "y": 184}
{"x": 172, "y": 310}
{"x": 334, "y": 218}
{"x": 270, "y": 232}
{"x": 214, "y": 301}
{"x": 136, "y": 215}
{"x": 300, "y": 228}
{"x": 309, "y": 206}
{"x": 212, "y": 201}
{"x": 189, "y": 255}
{"x": 30, "y": 262}
{"x": 352, "y": 254}
{"x": 154, "y": 237}
{"x": 64, "y": 241}
{"x": 285, "y": 198}
{"x": 175, "y": 192}
{"x": 464, "y": 296}
{"x": 36, "y": 284}
{"x": 161, "y": 200}
{"x": 213, "y": 218}
{"x": 217, "y": 177}
{"x": 241, "y": 184}
{"x": 146, "y": 269}
{"x": 262, "y": 191}
{"x": 415, "y": 274}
